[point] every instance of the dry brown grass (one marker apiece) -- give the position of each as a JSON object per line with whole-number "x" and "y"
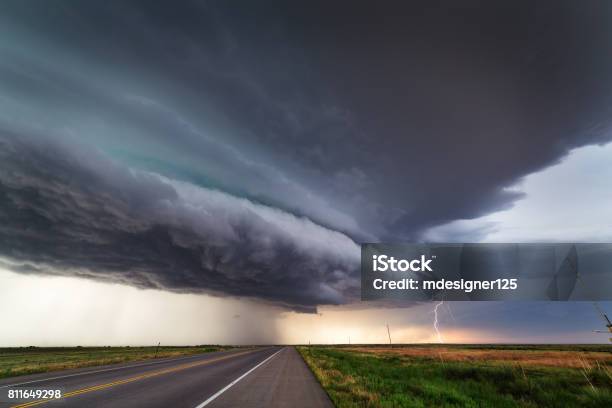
{"x": 22, "y": 361}
{"x": 342, "y": 382}
{"x": 27, "y": 368}
{"x": 548, "y": 358}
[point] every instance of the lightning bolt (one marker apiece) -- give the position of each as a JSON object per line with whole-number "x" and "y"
{"x": 435, "y": 322}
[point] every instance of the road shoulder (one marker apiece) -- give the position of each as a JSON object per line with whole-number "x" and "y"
{"x": 284, "y": 381}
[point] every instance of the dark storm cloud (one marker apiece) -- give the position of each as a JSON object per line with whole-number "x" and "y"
{"x": 71, "y": 211}
{"x": 452, "y": 101}
{"x": 378, "y": 121}
{"x": 403, "y": 115}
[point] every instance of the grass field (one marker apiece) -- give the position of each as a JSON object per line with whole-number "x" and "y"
{"x": 29, "y": 360}
{"x": 464, "y": 376}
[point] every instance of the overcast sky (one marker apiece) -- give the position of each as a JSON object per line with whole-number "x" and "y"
{"x": 222, "y": 161}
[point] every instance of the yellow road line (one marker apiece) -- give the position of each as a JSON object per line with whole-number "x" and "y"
{"x": 129, "y": 380}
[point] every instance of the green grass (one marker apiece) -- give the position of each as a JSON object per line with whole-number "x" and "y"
{"x": 354, "y": 379}
{"x": 29, "y": 360}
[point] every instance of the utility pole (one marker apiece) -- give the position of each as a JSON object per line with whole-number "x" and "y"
{"x": 389, "y": 334}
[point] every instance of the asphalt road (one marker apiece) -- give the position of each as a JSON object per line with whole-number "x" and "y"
{"x": 262, "y": 377}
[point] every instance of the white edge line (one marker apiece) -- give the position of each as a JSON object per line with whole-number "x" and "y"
{"x": 165, "y": 360}
{"x": 228, "y": 386}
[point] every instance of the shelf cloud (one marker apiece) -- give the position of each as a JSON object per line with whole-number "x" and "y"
{"x": 247, "y": 151}
{"x": 68, "y": 210}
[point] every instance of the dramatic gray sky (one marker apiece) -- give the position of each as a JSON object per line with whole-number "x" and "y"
{"x": 231, "y": 156}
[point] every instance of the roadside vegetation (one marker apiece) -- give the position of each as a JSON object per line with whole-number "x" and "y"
{"x": 464, "y": 376}
{"x": 29, "y": 360}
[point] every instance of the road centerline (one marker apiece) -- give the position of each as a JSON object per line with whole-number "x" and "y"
{"x": 96, "y": 371}
{"x": 228, "y": 386}
{"x": 132, "y": 379}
